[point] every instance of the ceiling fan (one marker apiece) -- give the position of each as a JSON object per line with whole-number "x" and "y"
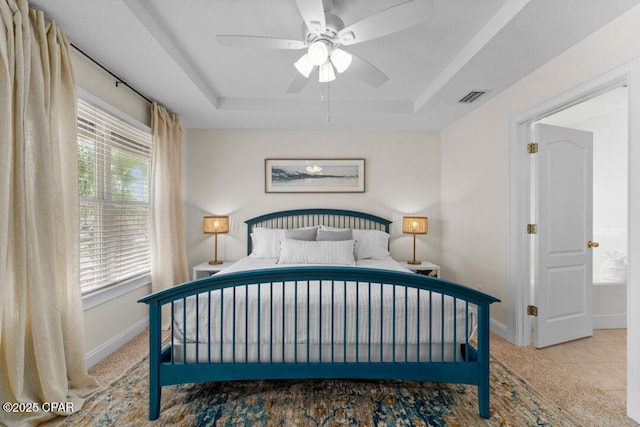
{"x": 324, "y": 35}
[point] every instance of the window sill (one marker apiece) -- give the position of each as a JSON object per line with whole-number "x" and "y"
{"x": 94, "y": 299}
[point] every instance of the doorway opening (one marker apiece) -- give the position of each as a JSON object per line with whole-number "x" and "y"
{"x": 602, "y": 357}
{"x": 606, "y": 117}
{"x": 522, "y": 186}
{"x": 519, "y": 266}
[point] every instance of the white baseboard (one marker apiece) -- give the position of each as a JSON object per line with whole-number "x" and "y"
{"x": 499, "y": 329}
{"x": 96, "y": 355}
{"x": 610, "y": 321}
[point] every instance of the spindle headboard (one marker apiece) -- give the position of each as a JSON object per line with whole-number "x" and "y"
{"x": 299, "y": 218}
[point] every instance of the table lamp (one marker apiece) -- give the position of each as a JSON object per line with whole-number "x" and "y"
{"x": 213, "y": 224}
{"x": 415, "y": 225}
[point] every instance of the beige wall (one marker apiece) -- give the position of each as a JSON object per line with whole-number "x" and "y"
{"x": 113, "y": 323}
{"x": 475, "y": 150}
{"x": 225, "y": 175}
{"x": 102, "y": 85}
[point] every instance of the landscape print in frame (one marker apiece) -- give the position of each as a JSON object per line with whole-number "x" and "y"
{"x": 314, "y": 175}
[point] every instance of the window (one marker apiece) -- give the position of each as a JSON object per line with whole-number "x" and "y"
{"x": 114, "y": 166}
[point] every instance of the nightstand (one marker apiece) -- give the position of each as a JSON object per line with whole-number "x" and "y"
{"x": 205, "y": 269}
{"x": 426, "y": 268}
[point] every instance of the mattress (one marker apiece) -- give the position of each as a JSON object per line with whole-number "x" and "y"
{"x": 319, "y": 321}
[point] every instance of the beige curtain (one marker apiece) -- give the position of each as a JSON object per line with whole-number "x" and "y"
{"x": 42, "y": 355}
{"x": 168, "y": 247}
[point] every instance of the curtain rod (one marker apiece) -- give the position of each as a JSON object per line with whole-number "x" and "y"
{"x": 118, "y": 79}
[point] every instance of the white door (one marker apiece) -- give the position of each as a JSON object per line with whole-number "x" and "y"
{"x": 563, "y": 277}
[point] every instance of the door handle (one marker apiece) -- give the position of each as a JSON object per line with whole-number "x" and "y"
{"x": 592, "y": 244}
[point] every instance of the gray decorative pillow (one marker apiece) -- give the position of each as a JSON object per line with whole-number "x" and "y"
{"x": 335, "y": 235}
{"x": 308, "y": 233}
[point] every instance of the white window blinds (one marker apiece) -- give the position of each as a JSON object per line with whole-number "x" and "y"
{"x": 114, "y": 166}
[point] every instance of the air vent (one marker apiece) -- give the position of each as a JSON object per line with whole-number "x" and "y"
{"x": 472, "y": 96}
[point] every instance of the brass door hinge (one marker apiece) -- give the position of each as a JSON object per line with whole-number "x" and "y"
{"x": 532, "y": 310}
{"x": 532, "y": 229}
{"x": 532, "y": 148}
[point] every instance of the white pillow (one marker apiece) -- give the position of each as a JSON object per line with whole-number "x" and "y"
{"x": 317, "y": 252}
{"x": 265, "y": 242}
{"x": 371, "y": 244}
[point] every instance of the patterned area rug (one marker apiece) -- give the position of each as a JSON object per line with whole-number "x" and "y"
{"x": 320, "y": 403}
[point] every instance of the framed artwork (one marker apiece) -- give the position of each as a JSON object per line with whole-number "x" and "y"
{"x": 314, "y": 175}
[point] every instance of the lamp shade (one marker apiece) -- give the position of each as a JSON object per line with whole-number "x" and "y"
{"x": 415, "y": 224}
{"x": 304, "y": 65}
{"x": 341, "y": 60}
{"x": 318, "y": 52}
{"x": 326, "y": 73}
{"x": 215, "y": 224}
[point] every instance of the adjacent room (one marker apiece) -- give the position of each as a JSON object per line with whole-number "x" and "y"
{"x": 310, "y": 212}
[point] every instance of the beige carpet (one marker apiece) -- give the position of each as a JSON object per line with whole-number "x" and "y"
{"x": 589, "y": 404}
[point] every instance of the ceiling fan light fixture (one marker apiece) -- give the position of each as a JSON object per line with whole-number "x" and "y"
{"x": 318, "y": 52}
{"x": 341, "y": 60}
{"x": 304, "y": 65}
{"x": 326, "y": 73}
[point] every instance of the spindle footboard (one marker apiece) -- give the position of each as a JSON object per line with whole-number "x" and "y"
{"x": 268, "y": 324}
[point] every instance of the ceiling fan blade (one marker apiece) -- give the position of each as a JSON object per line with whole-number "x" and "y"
{"x": 312, "y": 12}
{"x": 260, "y": 42}
{"x": 391, "y": 20}
{"x": 297, "y": 83}
{"x": 366, "y": 72}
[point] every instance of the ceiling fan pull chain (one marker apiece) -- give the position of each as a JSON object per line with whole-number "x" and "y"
{"x": 328, "y": 102}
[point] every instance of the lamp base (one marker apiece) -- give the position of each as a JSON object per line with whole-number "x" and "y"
{"x": 414, "y": 262}
{"x": 215, "y": 262}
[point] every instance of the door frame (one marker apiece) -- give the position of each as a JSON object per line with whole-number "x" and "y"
{"x": 519, "y": 266}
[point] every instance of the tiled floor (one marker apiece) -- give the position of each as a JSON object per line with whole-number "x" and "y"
{"x": 601, "y": 358}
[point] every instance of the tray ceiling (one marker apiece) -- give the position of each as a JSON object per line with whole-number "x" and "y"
{"x": 168, "y": 51}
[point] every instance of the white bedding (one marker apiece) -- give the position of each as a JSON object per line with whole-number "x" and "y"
{"x": 322, "y": 332}
{"x": 253, "y": 263}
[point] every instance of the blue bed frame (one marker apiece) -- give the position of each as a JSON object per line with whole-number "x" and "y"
{"x": 472, "y": 368}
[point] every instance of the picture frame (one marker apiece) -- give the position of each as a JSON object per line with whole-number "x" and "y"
{"x": 314, "y": 175}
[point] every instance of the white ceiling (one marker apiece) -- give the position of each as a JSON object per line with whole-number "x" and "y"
{"x": 168, "y": 51}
